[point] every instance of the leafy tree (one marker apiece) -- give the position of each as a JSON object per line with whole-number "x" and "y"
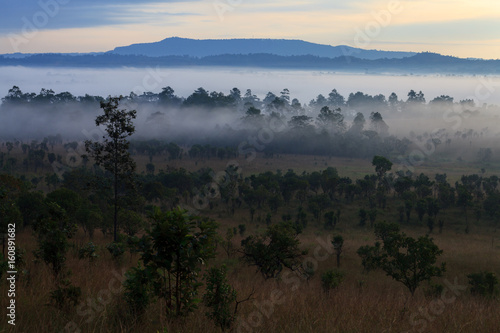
{"x": 278, "y": 248}
{"x": 138, "y": 290}
{"x": 131, "y": 221}
{"x": 382, "y": 165}
{"x": 421, "y": 208}
{"x": 331, "y": 119}
{"x": 220, "y": 297}
{"x": 172, "y": 253}
{"x": 358, "y": 123}
{"x": 331, "y": 279}
{"x": 407, "y": 260}
{"x": 32, "y": 205}
{"x": 113, "y": 152}
{"x": 53, "y": 229}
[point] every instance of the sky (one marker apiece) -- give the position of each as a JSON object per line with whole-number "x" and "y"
{"x": 462, "y": 28}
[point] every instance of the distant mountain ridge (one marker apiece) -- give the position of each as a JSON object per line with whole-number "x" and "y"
{"x": 421, "y": 63}
{"x": 176, "y": 46}
{"x": 260, "y": 53}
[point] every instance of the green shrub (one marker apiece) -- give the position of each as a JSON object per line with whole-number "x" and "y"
{"x": 65, "y": 295}
{"x": 331, "y": 279}
{"x": 483, "y": 283}
{"x": 89, "y": 251}
{"x": 116, "y": 250}
{"x": 220, "y": 297}
{"x": 137, "y": 290}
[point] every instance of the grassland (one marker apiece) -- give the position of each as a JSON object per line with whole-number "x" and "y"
{"x": 364, "y": 302}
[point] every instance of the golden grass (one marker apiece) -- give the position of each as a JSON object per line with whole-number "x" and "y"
{"x": 363, "y": 303}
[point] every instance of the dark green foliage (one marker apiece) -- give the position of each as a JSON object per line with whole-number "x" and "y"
{"x": 370, "y": 256}
{"x": 278, "y": 248}
{"x": 407, "y": 260}
{"x": 116, "y": 249}
{"x": 331, "y": 279}
{"x": 65, "y": 295}
{"x": 330, "y": 220}
{"x": 53, "y": 230}
{"x": 483, "y": 283}
{"x": 242, "y": 228}
{"x": 220, "y": 297}
{"x": 421, "y": 209}
{"x": 172, "y": 252}
{"x": 90, "y": 218}
{"x": 434, "y": 290}
{"x": 131, "y": 222}
{"x": 88, "y": 251}
{"x": 31, "y": 205}
{"x": 382, "y": 165}
{"x": 138, "y": 290}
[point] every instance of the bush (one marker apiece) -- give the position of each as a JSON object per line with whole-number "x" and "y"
{"x": 242, "y": 228}
{"x": 137, "y": 290}
{"x": 434, "y": 290}
{"x": 116, "y": 249}
{"x": 220, "y": 297}
{"x": 331, "y": 279}
{"x": 483, "y": 283}
{"x": 88, "y": 252}
{"x": 65, "y": 295}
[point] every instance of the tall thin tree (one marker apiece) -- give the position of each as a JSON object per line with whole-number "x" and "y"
{"x": 112, "y": 152}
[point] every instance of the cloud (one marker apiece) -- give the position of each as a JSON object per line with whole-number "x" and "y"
{"x": 63, "y": 14}
{"x": 451, "y": 31}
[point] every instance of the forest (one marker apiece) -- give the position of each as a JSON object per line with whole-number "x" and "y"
{"x": 229, "y": 212}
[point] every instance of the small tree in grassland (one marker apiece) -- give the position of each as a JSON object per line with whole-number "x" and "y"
{"x": 405, "y": 259}
{"x": 220, "y": 297}
{"x": 172, "y": 253}
{"x": 276, "y": 249}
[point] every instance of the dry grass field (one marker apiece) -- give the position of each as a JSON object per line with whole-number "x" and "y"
{"x": 364, "y": 302}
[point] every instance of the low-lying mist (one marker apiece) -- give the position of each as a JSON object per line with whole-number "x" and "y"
{"x": 357, "y": 125}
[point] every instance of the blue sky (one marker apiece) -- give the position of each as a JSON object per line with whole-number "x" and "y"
{"x": 463, "y": 28}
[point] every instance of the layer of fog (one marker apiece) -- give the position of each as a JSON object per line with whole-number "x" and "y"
{"x": 467, "y": 128}
{"x": 303, "y": 85}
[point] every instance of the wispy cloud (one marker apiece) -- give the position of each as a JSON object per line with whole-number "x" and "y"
{"x": 88, "y": 13}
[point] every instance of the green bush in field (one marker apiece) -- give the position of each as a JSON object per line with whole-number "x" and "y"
{"x": 172, "y": 253}
{"x": 220, "y": 297}
{"x": 89, "y": 251}
{"x": 138, "y": 290}
{"x": 483, "y": 283}
{"x": 116, "y": 249}
{"x": 331, "y": 279}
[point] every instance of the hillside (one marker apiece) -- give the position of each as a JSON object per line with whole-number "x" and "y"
{"x": 176, "y": 46}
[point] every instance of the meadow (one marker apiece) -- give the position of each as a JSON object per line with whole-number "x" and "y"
{"x": 364, "y": 302}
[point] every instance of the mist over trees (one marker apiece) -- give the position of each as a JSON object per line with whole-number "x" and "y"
{"x": 357, "y": 125}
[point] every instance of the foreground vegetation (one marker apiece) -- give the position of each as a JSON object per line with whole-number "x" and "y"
{"x": 102, "y": 248}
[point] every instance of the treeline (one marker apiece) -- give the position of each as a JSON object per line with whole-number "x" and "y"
{"x": 243, "y": 101}
{"x": 244, "y": 124}
{"x": 318, "y": 197}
